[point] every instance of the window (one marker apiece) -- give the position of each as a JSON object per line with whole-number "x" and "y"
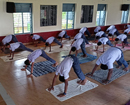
{"x": 125, "y": 15}
{"x": 86, "y": 13}
{"x": 22, "y": 18}
{"x": 48, "y": 15}
{"x": 101, "y": 15}
{"x": 68, "y": 14}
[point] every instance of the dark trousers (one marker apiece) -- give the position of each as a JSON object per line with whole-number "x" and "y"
{"x": 41, "y": 38}
{"x": 125, "y": 41}
{"x": 66, "y": 36}
{"x": 14, "y": 38}
{"x": 25, "y": 48}
{"x": 85, "y": 39}
{"x": 83, "y": 48}
{"x": 56, "y": 41}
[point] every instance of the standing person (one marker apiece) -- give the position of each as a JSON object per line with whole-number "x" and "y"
{"x": 85, "y": 30}
{"x": 63, "y": 70}
{"x": 97, "y": 29}
{"x": 123, "y": 39}
{"x": 50, "y": 40}
{"x": 79, "y": 43}
{"x": 107, "y": 59}
{"x": 37, "y": 37}
{"x": 33, "y": 56}
{"x": 103, "y": 41}
{"x": 62, "y": 35}
{"x": 15, "y": 46}
{"x": 8, "y": 39}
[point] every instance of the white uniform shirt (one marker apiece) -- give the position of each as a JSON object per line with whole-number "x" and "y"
{"x": 112, "y": 31}
{"x": 121, "y": 37}
{"x": 7, "y": 39}
{"x": 103, "y": 40}
{"x": 14, "y": 46}
{"x": 35, "y": 37}
{"x": 109, "y": 57}
{"x": 128, "y": 26}
{"x": 79, "y": 35}
{"x": 34, "y": 55}
{"x": 111, "y": 27}
{"x": 97, "y": 29}
{"x": 50, "y": 40}
{"x": 62, "y": 33}
{"x": 127, "y": 30}
{"x": 77, "y": 43}
{"x": 82, "y": 30}
{"x": 64, "y": 67}
{"x": 100, "y": 33}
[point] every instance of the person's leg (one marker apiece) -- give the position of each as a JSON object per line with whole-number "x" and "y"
{"x": 41, "y": 38}
{"x": 125, "y": 41}
{"x": 87, "y": 32}
{"x": 14, "y": 38}
{"x": 104, "y": 35}
{"x": 83, "y": 49}
{"x": 66, "y": 36}
{"x": 117, "y": 33}
{"x": 83, "y": 36}
{"x": 44, "y": 55}
{"x": 109, "y": 43}
{"x": 25, "y": 48}
{"x": 56, "y": 41}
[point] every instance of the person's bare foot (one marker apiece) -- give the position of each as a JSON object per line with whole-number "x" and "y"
{"x": 118, "y": 67}
{"x": 54, "y": 65}
{"x": 126, "y": 69}
{"x": 61, "y": 46}
{"x": 105, "y": 81}
{"x": 90, "y": 74}
{"x": 11, "y": 59}
{"x": 84, "y": 56}
{"x": 79, "y": 82}
{"x": 84, "y": 81}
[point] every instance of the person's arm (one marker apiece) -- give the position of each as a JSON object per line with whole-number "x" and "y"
{"x": 65, "y": 89}
{"x": 70, "y": 52}
{"x": 94, "y": 69}
{"x": 45, "y": 47}
{"x": 61, "y": 40}
{"x": 24, "y": 69}
{"x": 53, "y": 83}
{"x": 115, "y": 43}
{"x": 103, "y": 48}
{"x": 96, "y": 48}
{"x": 12, "y": 55}
{"x": 123, "y": 45}
{"x": 50, "y": 48}
{"x": 31, "y": 70}
{"x": 76, "y": 52}
{"x": 72, "y": 42}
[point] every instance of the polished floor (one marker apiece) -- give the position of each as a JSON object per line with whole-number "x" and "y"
{"x": 32, "y": 91}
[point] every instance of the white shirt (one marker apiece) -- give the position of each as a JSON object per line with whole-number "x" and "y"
{"x": 14, "y": 46}
{"x": 82, "y": 30}
{"x": 128, "y": 26}
{"x": 64, "y": 67}
{"x": 79, "y": 35}
{"x": 112, "y": 31}
{"x": 62, "y": 33}
{"x": 35, "y": 37}
{"x": 109, "y": 57}
{"x": 77, "y": 43}
{"x": 111, "y": 27}
{"x": 34, "y": 55}
{"x": 97, "y": 29}
{"x": 103, "y": 40}
{"x": 7, "y": 39}
{"x": 100, "y": 33}
{"x": 127, "y": 30}
{"x": 50, "y": 40}
{"x": 121, "y": 37}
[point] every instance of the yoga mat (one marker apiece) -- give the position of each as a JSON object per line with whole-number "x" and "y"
{"x": 74, "y": 89}
{"x": 123, "y": 49}
{"x": 84, "y": 60}
{"x": 100, "y": 75}
{"x": 7, "y": 51}
{"x": 42, "y": 68}
{"x": 18, "y": 56}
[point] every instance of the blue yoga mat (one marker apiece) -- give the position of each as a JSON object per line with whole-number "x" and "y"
{"x": 84, "y": 60}
{"x": 42, "y": 68}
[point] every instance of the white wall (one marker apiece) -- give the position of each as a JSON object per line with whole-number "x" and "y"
{"x": 113, "y": 13}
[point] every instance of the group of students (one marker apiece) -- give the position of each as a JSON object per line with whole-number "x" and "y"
{"x": 106, "y": 59}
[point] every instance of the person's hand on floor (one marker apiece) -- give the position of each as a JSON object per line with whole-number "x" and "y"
{"x": 51, "y": 88}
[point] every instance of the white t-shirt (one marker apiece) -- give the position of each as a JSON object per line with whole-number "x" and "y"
{"x": 7, "y": 39}
{"x": 35, "y": 37}
{"x": 82, "y": 30}
{"x": 109, "y": 57}
{"x": 79, "y": 35}
{"x": 97, "y": 29}
{"x": 64, "y": 67}
{"x": 34, "y": 55}
{"x": 127, "y": 30}
{"x": 62, "y": 33}
{"x": 14, "y": 46}
{"x": 103, "y": 40}
{"x": 50, "y": 40}
{"x": 111, "y": 27}
{"x": 121, "y": 37}
{"x": 100, "y": 33}
{"x": 112, "y": 31}
{"x": 77, "y": 43}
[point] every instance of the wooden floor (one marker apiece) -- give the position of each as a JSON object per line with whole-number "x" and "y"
{"x": 31, "y": 91}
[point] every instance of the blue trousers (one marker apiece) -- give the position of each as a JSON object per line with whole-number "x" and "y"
{"x": 44, "y": 55}
{"x": 25, "y": 48}
{"x": 76, "y": 67}
{"x": 83, "y": 48}
{"x": 109, "y": 43}
{"x": 104, "y": 35}
{"x": 85, "y": 39}
{"x": 88, "y": 33}
{"x": 14, "y": 38}
{"x": 117, "y": 33}
{"x": 56, "y": 41}
{"x": 121, "y": 60}
{"x": 66, "y": 36}
{"x": 41, "y": 38}
{"x": 125, "y": 41}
